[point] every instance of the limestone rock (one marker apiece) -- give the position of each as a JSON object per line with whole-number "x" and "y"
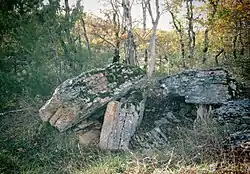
{"x": 121, "y": 120}
{"x": 211, "y": 86}
{"x": 90, "y": 138}
{"x": 173, "y": 103}
{"x": 87, "y": 125}
{"x": 161, "y": 118}
{"x": 238, "y": 145}
{"x": 238, "y": 139}
{"x": 78, "y": 98}
{"x": 236, "y": 112}
{"x": 108, "y": 124}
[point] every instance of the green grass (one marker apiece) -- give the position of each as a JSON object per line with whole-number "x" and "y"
{"x": 28, "y": 146}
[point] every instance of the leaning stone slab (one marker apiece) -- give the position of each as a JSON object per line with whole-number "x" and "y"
{"x": 77, "y": 98}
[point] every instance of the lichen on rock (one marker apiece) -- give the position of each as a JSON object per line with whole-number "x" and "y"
{"x": 209, "y": 86}
{"x": 77, "y": 98}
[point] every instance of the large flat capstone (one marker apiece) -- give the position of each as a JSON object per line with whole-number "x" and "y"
{"x": 76, "y": 99}
{"x": 206, "y": 86}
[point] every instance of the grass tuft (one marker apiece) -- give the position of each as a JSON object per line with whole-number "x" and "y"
{"x": 29, "y": 146}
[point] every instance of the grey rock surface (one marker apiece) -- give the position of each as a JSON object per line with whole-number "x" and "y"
{"x": 235, "y": 112}
{"x": 162, "y": 117}
{"x": 121, "y": 120}
{"x": 80, "y": 103}
{"x": 239, "y": 142}
{"x": 76, "y": 99}
{"x": 211, "y": 86}
{"x": 174, "y": 100}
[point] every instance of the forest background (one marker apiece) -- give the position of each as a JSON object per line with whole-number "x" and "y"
{"x": 45, "y": 42}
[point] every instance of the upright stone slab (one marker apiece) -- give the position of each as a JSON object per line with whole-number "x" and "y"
{"x": 108, "y": 131}
{"x": 120, "y": 122}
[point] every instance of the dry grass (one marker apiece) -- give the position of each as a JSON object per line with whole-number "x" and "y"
{"x": 29, "y": 146}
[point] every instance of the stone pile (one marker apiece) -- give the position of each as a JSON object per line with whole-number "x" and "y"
{"x": 239, "y": 139}
{"x": 236, "y": 113}
{"x": 79, "y": 103}
{"x": 238, "y": 145}
{"x": 108, "y": 107}
{"x": 177, "y": 100}
{"x": 162, "y": 116}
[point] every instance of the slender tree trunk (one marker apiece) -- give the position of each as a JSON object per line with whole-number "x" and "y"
{"x": 144, "y": 12}
{"x": 117, "y": 28}
{"x": 191, "y": 33}
{"x": 65, "y": 50}
{"x": 130, "y": 47}
{"x": 178, "y": 27}
{"x": 192, "y": 29}
{"x": 152, "y": 53}
{"x": 86, "y": 36}
{"x": 205, "y": 49}
{"x": 153, "y": 36}
{"x": 214, "y": 5}
{"x": 217, "y": 55}
{"x": 116, "y": 57}
{"x": 66, "y": 8}
{"x": 67, "y": 16}
{"x": 235, "y": 45}
{"x": 182, "y": 47}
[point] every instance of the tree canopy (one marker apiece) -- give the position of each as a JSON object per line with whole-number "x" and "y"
{"x": 42, "y": 44}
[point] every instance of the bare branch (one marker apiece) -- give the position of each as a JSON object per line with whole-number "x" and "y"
{"x": 150, "y": 11}
{"x": 100, "y": 36}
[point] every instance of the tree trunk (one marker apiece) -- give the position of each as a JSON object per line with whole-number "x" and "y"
{"x": 217, "y": 55}
{"x": 67, "y": 16}
{"x": 65, "y": 50}
{"x": 153, "y": 36}
{"x": 116, "y": 23}
{"x": 205, "y": 49}
{"x": 152, "y": 53}
{"x": 182, "y": 50}
{"x": 178, "y": 27}
{"x": 116, "y": 57}
{"x": 130, "y": 47}
{"x": 191, "y": 33}
{"x": 86, "y": 36}
{"x": 144, "y": 12}
{"x": 214, "y": 5}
